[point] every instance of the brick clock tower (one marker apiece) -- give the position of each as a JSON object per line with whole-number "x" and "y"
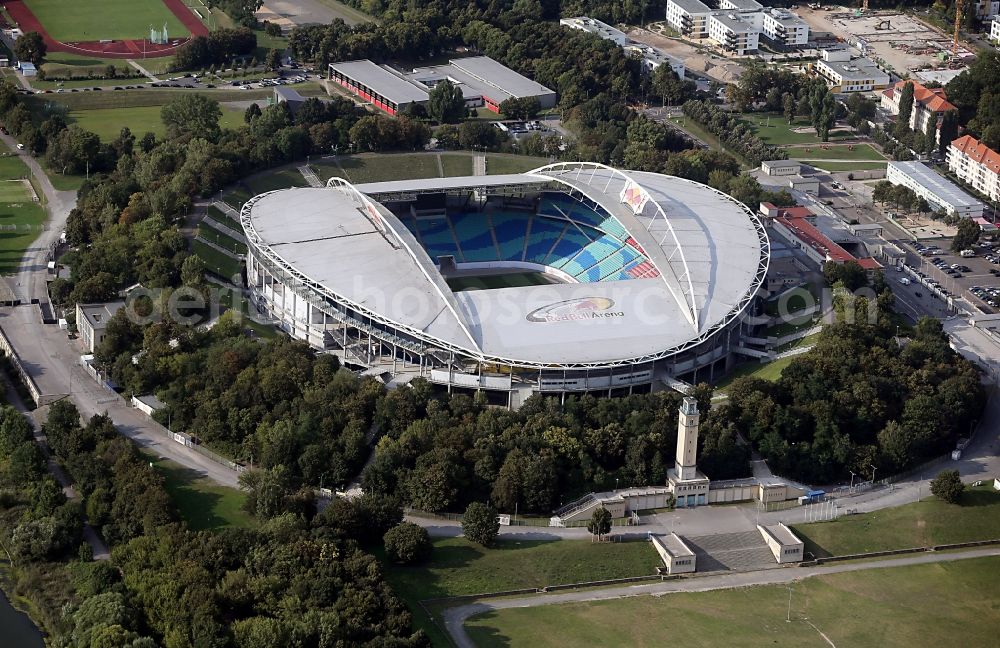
{"x": 690, "y": 487}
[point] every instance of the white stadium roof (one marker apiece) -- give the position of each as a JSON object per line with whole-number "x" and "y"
{"x": 325, "y": 237}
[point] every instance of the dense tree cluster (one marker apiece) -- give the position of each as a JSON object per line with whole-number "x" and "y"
{"x": 277, "y": 405}
{"x": 733, "y": 131}
{"x": 899, "y": 196}
{"x": 220, "y": 46}
{"x": 442, "y": 454}
{"x": 860, "y": 400}
{"x": 632, "y": 12}
{"x": 976, "y": 94}
{"x": 291, "y": 581}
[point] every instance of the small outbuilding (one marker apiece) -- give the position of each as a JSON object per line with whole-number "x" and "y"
{"x": 677, "y": 556}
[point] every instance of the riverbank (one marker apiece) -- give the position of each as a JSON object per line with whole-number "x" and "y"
{"x": 18, "y": 627}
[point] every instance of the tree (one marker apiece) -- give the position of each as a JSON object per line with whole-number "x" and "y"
{"x": 523, "y": 108}
{"x": 600, "y": 522}
{"x": 788, "y": 106}
{"x": 30, "y": 47}
{"x": 407, "y": 543}
{"x": 966, "y": 235}
{"x": 192, "y": 114}
{"x": 445, "y": 103}
{"x": 905, "y": 108}
{"x": 480, "y": 524}
{"x": 251, "y": 113}
{"x": 948, "y": 486}
{"x": 273, "y": 60}
{"x": 948, "y": 132}
{"x": 671, "y": 89}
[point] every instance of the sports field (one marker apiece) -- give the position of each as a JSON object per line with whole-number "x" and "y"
{"x": 94, "y": 20}
{"x": 946, "y": 604}
{"x": 107, "y": 123}
{"x": 491, "y": 282}
{"x": 21, "y": 217}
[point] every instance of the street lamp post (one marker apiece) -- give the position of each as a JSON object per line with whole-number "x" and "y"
{"x": 851, "y": 489}
{"x": 873, "y": 473}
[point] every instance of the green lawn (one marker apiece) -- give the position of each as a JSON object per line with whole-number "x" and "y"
{"x": 222, "y": 240}
{"x": 202, "y": 503}
{"x": 946, "y": 604}
{"x": 773, "y": 129}
{"x": 792, "y": 325}
{"x": 511, "y": 280}
{"x": 459, "y": 567}
{"x": 763, "y": 370}
{"x": 500, "y": 163}
{"x": 456, "y": 164}
{"x": 806, "y": 341}
{"x": 72, "y": 20}
{"x": 919, "y": 524}
{"x": 699, "y": 131}
{"x": 378, "y": 167}
{"x": 147, "y": 96}
{"x": 68, "y": 63}
{"x": 108, "y": 122}
{"x": 21, "y": 219}
{"x": 846, "y": 166}
{"x": 350, "y": 15}
{"x": 279, "y": 180}
{"x": 217, "y": 262}
{"x": 65, "y": 182}
{"x": 216, "y": 214}
{"x": 836, "y": 152}
{"x": 237, "y": 195}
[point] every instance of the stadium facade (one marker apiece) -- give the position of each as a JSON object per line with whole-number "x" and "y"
{"x": 590, "y": 279}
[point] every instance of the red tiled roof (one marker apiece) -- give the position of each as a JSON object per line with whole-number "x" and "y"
{"x": 809, "y": 235}
{"x": 933, "y": 99}
{"x": 978, "y": 151}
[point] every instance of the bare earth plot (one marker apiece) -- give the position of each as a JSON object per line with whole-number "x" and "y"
{"x": 309, "y": 12}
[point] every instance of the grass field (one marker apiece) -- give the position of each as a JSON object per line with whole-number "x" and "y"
{"x": 836, "y": 152}
{"x": 512, "y": 280}
{"x": 133, "y": 98}
{"x": 947, "y": 604}
{"x": 21, "y": 218}
{"x": 378, "y": 168}
{"x": 222, "y": 240}
{"x": 459, "y": 567}
{"x": 456, "y": 164}
{"x": 217, "y": 262}
{"x": 499, "y": 163}
{"x": 71, "y": 20}
{"x": 765, "y": 371}
{"x": 281, "y": 180}
{"x": 920, "y": 524}
{"x": 834, "y": 167}
{"x": 216, "y": 214}
{"x": 202, "y": 503}
{"x": 108, "y": 122}
{"x": 773, "y": 129}
{"x": 350, "y": 15}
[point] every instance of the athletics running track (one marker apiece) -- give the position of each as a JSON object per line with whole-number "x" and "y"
{"x": 123, "y": 49}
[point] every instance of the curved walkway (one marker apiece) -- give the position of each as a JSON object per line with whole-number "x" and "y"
{"x": 455, "y": 617}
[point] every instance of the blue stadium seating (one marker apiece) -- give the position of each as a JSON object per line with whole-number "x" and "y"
{"x": 544, "y": 233}
{"x": 572, "y": 241}
{"x": 590, "y": 255}
{"x": 435, "y": 234}
{"x": 510, "y": 228}
{"x": 475, "y": 237}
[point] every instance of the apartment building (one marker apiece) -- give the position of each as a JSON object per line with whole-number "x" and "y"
{"x": 975, "y": 164}
{"x": 783, "y": 27}
{"x": 844, "y": 74}
{"x": 928, "y": 103}
{"x": 733, "y": 32}
{"x": 995, "y": 29}
{"x": 689, "y": 17}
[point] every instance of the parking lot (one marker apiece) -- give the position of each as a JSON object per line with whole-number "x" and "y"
{"x": 976, "y": 279}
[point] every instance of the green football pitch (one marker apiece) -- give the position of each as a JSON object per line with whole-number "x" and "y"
{"x": 93, "y": 20}
{"x": 490, "y": 282}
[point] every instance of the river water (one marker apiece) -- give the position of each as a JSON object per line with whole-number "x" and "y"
{"x": 16, "y": 629}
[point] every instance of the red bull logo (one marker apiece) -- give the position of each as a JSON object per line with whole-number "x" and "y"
{"x": 584, "y": 308}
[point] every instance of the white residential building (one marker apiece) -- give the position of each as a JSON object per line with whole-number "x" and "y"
{"x": 740, "y": 5}
{"x": 733, "y": 32}
{"x": 937, "y": 190}
{"x": 843, "y": 74}
{"x": 689, "y": 17}
{"x": 986, "y": 9}
{"x": 651, "y": 57}
{"x": 783, "y": 27}
{"x": 92, "y": 320}
{"x": 975, "y": 164}
{"x": 995, "y": 30}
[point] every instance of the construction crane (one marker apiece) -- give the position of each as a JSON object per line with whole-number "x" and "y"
{"x": 958, "y": 22}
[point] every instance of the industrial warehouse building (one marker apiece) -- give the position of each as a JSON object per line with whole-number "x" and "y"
{"x": 483, "y": 82}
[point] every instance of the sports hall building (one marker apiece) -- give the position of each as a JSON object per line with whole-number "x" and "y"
{"x": 571, "y": 278}
{"x": 483, "y": 82}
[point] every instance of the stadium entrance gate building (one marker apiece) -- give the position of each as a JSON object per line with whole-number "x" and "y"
{"x": 590, "y": 279}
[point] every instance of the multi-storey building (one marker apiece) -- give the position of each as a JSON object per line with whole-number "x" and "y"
{"x": 734, "y": 33}
{"x": 651, "y": 57}
{"x": 689, "y": 17}
{"x": 928, "y": 103}
{"x": 783, "y": 27}
{"x": 937, "y": 190}
{"x": 975, "y": 164}
{"x": 843, "y": 74}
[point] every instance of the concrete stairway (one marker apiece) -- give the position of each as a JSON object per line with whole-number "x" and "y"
{"x": 731, "y": 551}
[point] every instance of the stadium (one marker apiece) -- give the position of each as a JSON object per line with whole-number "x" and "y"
{"x": 571, "y": 278}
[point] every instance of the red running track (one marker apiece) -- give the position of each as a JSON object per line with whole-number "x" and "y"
{"x": 123, "y": 49}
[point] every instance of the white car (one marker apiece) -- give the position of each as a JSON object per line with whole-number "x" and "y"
{"x": 20, "y": 147}
{"x": 904, "y": 281}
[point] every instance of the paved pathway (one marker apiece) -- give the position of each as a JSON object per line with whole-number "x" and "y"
{"x": 455, "y": 617}
{"x": 224, "y": 229}
{"x": 149, "y": 75}
{"x": 310, "y": 176}
{"x": 478, "y": 165}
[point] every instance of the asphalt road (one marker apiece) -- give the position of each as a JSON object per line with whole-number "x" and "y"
{"x": 455, "y": 617}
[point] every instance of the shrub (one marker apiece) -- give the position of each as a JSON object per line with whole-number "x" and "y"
{"x": 407, "y": 543}
{"x": 948, "y": 486}
{"x": 480, "y": 524}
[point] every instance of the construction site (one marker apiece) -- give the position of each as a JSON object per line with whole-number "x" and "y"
{"x": 901, "y": 43}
